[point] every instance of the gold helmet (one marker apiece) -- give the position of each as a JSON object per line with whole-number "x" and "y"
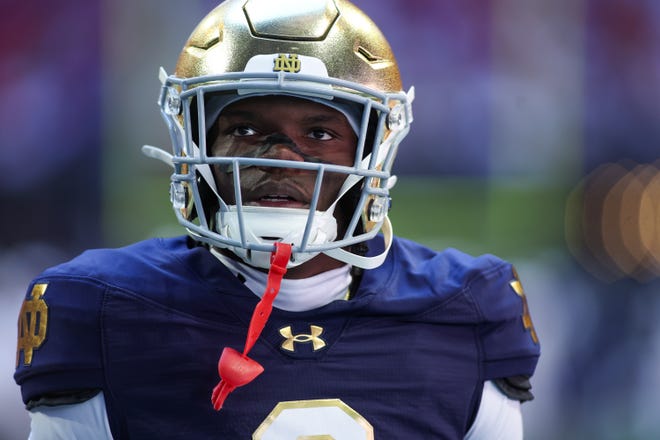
{"x": 327, "y": 51}
{"x": 348, "y": 43}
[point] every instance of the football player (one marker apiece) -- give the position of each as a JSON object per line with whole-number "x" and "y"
{"x": 288, "y": 310}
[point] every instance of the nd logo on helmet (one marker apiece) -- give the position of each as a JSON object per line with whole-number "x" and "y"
{"x": 32, "y": 324}
{"x": 287, "y": 63}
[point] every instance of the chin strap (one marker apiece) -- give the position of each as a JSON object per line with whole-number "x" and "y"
{"x": 364, "y": 262}
{"x": 237, "y": 369}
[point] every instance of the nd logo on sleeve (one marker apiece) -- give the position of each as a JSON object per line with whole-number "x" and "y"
{"x": 517, "y": 287}
{"x": 32, "y": 324}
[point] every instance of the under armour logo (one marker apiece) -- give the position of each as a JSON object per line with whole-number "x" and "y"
{"x": 287, "y": 63}
{"x": 313, "y": 337}
{"x": 32, "y": 324}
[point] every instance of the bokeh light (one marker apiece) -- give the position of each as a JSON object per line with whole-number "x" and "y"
{"x": 613, "y": 222}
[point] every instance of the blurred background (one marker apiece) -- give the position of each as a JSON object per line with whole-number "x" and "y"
{"x": 536, "y": 138}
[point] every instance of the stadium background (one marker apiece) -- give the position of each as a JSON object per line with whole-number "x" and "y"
{"x": 536, "y": 137}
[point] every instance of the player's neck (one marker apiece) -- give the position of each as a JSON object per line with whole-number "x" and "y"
{"x": 295, "y": 295}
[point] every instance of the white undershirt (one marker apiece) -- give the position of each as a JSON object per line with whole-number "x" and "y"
{"x": 295, "y": 295}
{"x": 498, "y": 417}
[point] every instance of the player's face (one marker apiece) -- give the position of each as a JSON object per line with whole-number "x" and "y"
{"x": 286, "y": 128}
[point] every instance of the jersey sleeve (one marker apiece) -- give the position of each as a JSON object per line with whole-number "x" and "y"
{"x": 509, "y": 342}
{"x": 59, "y": 337}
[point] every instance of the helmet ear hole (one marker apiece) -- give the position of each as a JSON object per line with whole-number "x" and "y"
{"x": 371, "y": 133}
{"x": 194, "y": 121}
{"x": 209, "y": 200}
{"x": 345, "y": 210}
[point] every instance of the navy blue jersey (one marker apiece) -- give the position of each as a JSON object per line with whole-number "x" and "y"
{"x": 406, "y": 357}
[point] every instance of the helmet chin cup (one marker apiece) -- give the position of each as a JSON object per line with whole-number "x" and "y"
{"x": 259, "y": 225}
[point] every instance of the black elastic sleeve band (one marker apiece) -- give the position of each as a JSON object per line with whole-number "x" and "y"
{"x": 516, "y": 387}
{"x": 62, "y": 398}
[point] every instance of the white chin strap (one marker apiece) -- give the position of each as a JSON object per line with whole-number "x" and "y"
{"x": 362, "y": 261}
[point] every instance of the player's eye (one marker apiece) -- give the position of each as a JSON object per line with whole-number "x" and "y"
{"x": 320, "y": 134}
{"x": 243, "y": 130}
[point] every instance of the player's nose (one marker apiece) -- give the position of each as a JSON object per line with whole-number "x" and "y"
{"x": 282, "y": 147}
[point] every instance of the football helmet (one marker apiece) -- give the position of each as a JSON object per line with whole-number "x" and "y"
{"x": 327, "y": 51}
